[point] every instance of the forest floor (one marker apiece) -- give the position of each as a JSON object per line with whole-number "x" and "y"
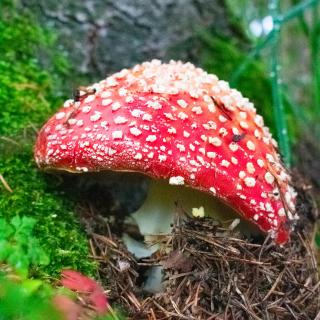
{"x": 210, "y": 271}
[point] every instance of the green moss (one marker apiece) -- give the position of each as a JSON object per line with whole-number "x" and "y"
{"x": 57, "y": 228}
{"x": 29, "y": 92}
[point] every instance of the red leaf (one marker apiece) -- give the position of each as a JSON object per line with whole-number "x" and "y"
{"x": 99, "y": 301}
{"x": 95, "y": 296}
{"x": 75, "y": 281}
{"x": 69, "y": 309}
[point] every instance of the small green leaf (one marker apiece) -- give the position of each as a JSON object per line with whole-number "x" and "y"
{"x": 16, "y": 221}
{"x": 30, "y": 286}
{"x": 27, "y": 225}
{"x": 5, "y": 229}
{"x": 5, "y": 250}
{"x": 36, "y": 254}
{"x": 19, "y": 261}
{"x": 24, "y": 226}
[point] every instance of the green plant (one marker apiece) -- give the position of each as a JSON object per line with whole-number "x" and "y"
{"x": 33, "y": 299}
{"x": 18, "y": 246}
{"x": 20, "y": 251}
{"x": 26, "y": 299}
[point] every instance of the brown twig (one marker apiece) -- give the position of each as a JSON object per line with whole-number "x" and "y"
{"x": 5, "y": 183}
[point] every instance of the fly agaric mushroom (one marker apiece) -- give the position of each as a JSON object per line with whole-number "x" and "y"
{"x": 178, "y": 123}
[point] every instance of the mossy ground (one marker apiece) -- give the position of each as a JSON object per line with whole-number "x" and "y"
{"x": 29, "y": 93}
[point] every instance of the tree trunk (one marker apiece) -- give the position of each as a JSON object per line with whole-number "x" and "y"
{"x": 104, "y": 36}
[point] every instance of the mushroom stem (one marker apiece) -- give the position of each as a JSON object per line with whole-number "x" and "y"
{"x": 156, "y": 214}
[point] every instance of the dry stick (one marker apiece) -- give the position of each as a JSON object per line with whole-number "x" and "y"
{"x": 291, "y": 311}
{"x": 109, "y": 231}
{"x": 153, "y": 315}
{"x": 105, "y": 239}
{"x": 5, "y": 184}
{"x": 226, "y": 309}
{"x": 6, "y": 139}
{"x": 208, "y": 314}
{"x": 134, "y": 300}
{"x": 247, "y": 306}
{"x": 188, "y": 302}
{"x": 274, "y": 285}
{"x": 196, "y": 297}
{"x": 175, "y": 307}
{"x": 171, "y": 313}
{"x": 176, "y": 276}
{"x": 33, "y": 127}
{"x": 308, "y": 247}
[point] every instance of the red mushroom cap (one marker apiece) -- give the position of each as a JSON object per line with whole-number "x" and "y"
{"x": 175, "y": 121}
